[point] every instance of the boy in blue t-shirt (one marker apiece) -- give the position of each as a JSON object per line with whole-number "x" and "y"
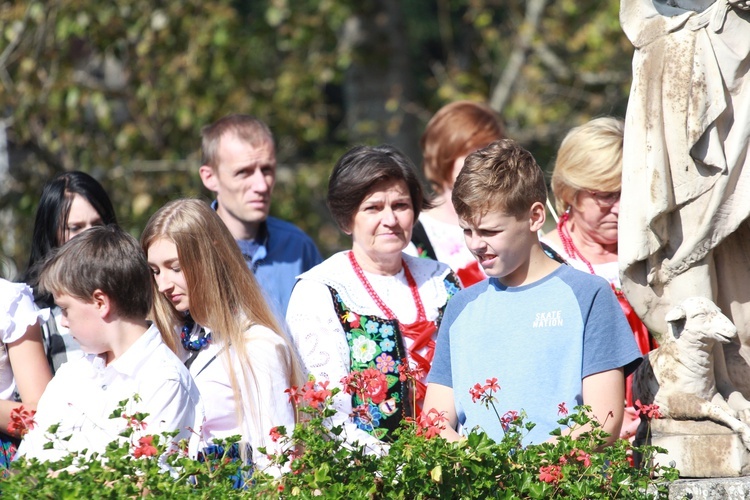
{"x": 550, "y": 334}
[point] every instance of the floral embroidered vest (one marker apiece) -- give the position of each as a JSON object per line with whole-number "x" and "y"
{"x": 377, "y": 343}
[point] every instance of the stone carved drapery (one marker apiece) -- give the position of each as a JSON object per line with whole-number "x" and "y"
{"x": 684, "y": 226}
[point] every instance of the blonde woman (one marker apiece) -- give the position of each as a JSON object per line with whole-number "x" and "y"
{"x": 212, "y": 311}
{"x": 586, "y": 182}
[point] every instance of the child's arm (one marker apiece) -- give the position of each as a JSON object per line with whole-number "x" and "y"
{"x": 440, "y": 397}
{"x": 604, "y": 392}
{"x": 30, "y": 371}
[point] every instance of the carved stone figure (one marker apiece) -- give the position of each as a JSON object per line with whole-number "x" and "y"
{"x": 679, "y": 376}
{"x": 683, "y": 228}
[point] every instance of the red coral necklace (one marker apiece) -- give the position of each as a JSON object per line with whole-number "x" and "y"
{"x": 567, "y": 242}
{"x": 421, "y": 331}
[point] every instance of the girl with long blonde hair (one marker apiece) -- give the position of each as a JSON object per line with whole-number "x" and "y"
{"x": 213, "y": 314}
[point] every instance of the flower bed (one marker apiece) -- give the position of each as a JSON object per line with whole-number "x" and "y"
{"x": 318, "y": 463}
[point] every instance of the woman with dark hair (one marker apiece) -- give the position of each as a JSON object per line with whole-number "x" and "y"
{"x": 71, "y": 203}
{"x": 372, "y": 309}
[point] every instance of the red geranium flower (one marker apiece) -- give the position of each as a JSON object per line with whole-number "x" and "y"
{"x": 275, "y": 434}
{"x": 21, "y": 421}
{"x": 369, "y": 385}
{"x": 145, "y": 447}
{"x": 492, "y": 385}
{"x": 508, "y": 418}
{"x": 316, "y": 397}
{"x": 550, "y": 473}
{"x": 562, "y": 409}
{"x": 582, "y": 456}
{"x": 431, "y": 423}
{"x": 648, "y": 411}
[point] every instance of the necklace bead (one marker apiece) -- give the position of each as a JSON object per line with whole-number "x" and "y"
{"x": 194, "y": 337}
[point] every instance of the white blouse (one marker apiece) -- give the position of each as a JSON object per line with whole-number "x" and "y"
{"x": 610, "y": 271}
{"x": 265, "y": 407}
{"x": 17, "y": 313}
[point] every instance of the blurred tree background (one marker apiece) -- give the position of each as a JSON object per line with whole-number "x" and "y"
{"x": 121, "y": 88}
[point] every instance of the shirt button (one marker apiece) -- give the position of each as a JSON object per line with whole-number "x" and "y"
{"x": 104, "y": 387}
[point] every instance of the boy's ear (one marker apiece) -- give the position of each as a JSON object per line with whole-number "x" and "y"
{"x": 208, "y": 176}
{"x": 102, "y": 302}
{"x": 537, "y": 216}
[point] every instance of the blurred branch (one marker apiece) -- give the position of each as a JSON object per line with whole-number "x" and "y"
{"x": 561, "y": 70}
{"x": 4, "y": 75}
{"x": 528, "y": 30}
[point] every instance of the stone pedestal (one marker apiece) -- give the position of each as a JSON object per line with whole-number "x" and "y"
{"x": 737, "y": 488}
{"x": 699, "y": 448}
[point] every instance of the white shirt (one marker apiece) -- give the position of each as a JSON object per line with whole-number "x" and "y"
{"x": 320, "y": 338}
{"x": 84, "y": 392}
{"x": 265, "y": 407}
{"x": 17, "y": 313}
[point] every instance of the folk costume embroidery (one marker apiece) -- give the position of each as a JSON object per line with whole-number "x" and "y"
{"x": 378, "y": 342}
{"x": 340, "y": 330}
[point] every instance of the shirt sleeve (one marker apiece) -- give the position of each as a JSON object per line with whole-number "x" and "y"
{"x": 171, "y": 406}
{"x": 268, "y": 405}
{"x": 324, "y": 351}
{"x": 32, "y": 444}
{"x": 608, "y": 339}
{"x": 17, "y": 311}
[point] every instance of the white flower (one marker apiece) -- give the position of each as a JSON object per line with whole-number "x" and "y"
{"x": 363, "y": 349}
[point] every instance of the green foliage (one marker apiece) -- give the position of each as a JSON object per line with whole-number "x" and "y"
{"x": 318, "y": 464}
{"x": 121, "y": 88}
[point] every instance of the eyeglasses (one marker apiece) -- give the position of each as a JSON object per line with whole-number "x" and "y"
{"x": 605, "y": 199}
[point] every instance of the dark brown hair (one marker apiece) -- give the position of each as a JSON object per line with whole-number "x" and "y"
{"x": 102, "y": 258}
{"x": 359, "y": 170}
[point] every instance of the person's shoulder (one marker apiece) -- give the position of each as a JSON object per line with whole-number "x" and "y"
{"x": 158, "y": 360}
{"x": 281, "y": 227}
{"x": 329, "y": 270}
{"x": 263, "y": 333}
{"x": 469, "y": 294}
{"x": 434, "y": 267}
{"x": 265, "y": 345}
{"x": 578, "y": 278}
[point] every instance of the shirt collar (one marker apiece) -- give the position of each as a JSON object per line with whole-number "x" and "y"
{"x": 131, "y": 360}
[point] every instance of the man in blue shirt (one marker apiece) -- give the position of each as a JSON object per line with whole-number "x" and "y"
{"x": 239, "y": 165}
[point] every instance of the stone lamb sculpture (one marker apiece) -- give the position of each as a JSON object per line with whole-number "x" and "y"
{"x": 680, "y": 375}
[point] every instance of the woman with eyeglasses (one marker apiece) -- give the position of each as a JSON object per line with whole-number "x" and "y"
{"x": 586, "y": 183}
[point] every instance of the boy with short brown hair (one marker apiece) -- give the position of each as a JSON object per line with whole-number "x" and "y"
{"x": 102, "y": 282}
{"x": 550, "y": 334}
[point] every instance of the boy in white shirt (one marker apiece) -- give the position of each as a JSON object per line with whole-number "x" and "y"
{"x": 102, "y": 283}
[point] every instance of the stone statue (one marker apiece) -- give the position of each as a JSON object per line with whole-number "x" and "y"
{"x": 705, "y": 433}
{"x": 679, "y": 375}
{"x": 684, "y": 227}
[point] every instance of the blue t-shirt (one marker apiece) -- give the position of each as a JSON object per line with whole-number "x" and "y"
{"x": 539, "y": 340}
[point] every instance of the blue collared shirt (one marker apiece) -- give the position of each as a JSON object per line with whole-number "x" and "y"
{"x": 279, "y": 253}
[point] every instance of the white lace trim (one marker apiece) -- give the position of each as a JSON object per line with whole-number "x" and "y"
{"x": 337, "y": 273}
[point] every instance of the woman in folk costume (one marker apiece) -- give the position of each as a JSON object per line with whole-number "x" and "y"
{"x": 372, "y": 307}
